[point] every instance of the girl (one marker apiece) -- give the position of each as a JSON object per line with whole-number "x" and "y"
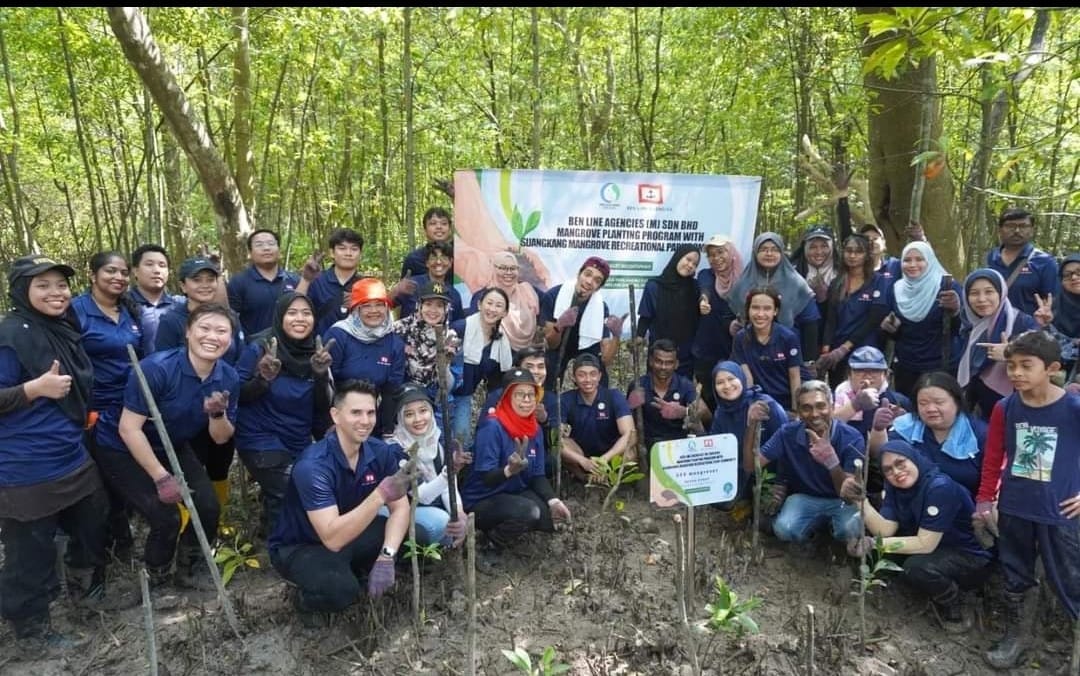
{"x": 768, "y": 352}
{"x": 485, "y": 354}
{"x": 669, "y": 305}
{"x": 857, "y": 303}
{"x": 1066, "y": 325}
{"x": 421, "y": 344}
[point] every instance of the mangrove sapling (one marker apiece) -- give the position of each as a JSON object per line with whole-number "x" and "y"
{"x": 547, "y": 666}
{"x": 430, "y": 552}
{"x": 233, "y": 558}
{"x": 871, "y": 576}
{"x": 727, "y": 613}
{"x": 615, "y": 473}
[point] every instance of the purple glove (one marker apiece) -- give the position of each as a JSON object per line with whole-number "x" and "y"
{"x": 456, "y": 529}
{"x": 883, "y": 418}
{"x": 312, "y": 267}
{"x": 891, "y": 323}
{"x": 614, "y": 324}
{"x": 820, "y": 289}
{"x": 771, "y": 504}
{"x": 381, "y": 577}
{"x": 861, "y": 546}
{"x": 567, "y": 319}
{"x": 670, "y": 410}
{"x": 216, "y": 404}
{"x": 866, "y": 400}
{"x": 395, "y": 486}
{"x": 949, "y": 300}
{"x": 1073, "y": 387}
{"x": 405, "y": 287}
{"x": 636, "y": 398}
{"x": 734, "y": 327}
{"x": 822, "y": 451}
{"x": 758, "y": 412}
{"x": 830, "y": 359}
{"x": 168, "y": 490}
{"x": 321, "y": 360}
{"x": 269, "y": 366}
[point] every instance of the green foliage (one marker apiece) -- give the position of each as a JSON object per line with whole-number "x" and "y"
{"x": 547, "y": 666}
{"x": 607, "y": 472}
{"x": 727, "y": 613}
{"x": 871, "y": 576}
{"x": 431, "y": 552}
{"x": 234, "y": 558}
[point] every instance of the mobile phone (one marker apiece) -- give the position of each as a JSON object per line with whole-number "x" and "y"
{"x": 946, "y": 282}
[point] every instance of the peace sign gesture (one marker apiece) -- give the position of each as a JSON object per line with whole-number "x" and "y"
{"x": 269, "y": 365}
{"x": 321, "y": 360}
{"x": 821, "y": 449}
{"x": 1044, "y": 312}
{"x": 517, "y": 460}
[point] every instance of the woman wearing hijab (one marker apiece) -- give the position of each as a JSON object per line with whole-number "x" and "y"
{"x": 816, "y": 260}
{"x": 1066, "y": 325}
{"x": 520, "y": 321}
{"x": 770, "y": 268}
{"x": 485, "y": 354}
{"x": 416, "y": 425}
{"x": 712, "y": 340}
{"x": 991, "y": 323}
{"x": 47, "y": 479}
{"x": 926, "y": 518}
{"x": 284, "y": 398}
{"x": 507, "y": 488}
{"x": 669, "y": 305}
{"x": 918, "y": 310}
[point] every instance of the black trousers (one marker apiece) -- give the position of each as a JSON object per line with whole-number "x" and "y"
{"x": 942, "y": 572}
{"x": 271, "y": 470}
{"x": 703, "y": 375}
{"x": 330, "y": 581}
{"x": 1059, "y": 546}
{"x": 118, "y": 533}
{"x": 216, "y": 458}
{"x": 28, "y": 580}
{"x": 507, "y": 515}
{"x": 129, "y": 479}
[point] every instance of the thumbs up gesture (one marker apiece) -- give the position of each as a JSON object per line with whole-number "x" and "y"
{"x": 821, "y": 450}
{"x": 321, "y": 360}
{"x": 49, "y": 384}
{"x": 269, "y": 365}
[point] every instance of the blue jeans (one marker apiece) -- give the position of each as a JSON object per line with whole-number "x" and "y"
{"x": 802, "y": 515}
{"x": 431, "y": 523}
{"x": 461, "y": 420}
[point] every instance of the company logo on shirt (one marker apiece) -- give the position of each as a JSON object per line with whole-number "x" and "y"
{"x": 289, "y": 286}
{"x": 532, "y": 452}
{"x": 384, "y": 360}
{"x": 369, "y": 478}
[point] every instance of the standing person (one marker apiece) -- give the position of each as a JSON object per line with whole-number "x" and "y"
{"x": 1029, "y": 272}
{"x": 884, "y": 264}
{"x": 110, "y": 322}
{"x": 576, "y": 319}
{"x": 1066, "y": 325}
{"x": 485, "y": 354}
{"x": 662, "y": 394}
{"x": 195, "y": 390}
{"x": 520, "y": 321}
{"x": 1031, "y": 474}
{"x": 601, "y": 426}
{"x": 284, "y": 397}
{"x": 150, "y": 269}
{"x": 858, "y": 301}
{"x": 768, "y": 352}
{"x": 918, "y": 311}
{"x": 816, "y": 260}
{"x": 712, "y": 340}
{"x": 925, "y": 518}
{"x": 669, "y": 305}
{"x": 329, "y": 289}
{"x": 437, "y": 228}
{"x": 440, "y": 270}
{"x": 330, "y": 527}
{"x": 254, "y": 292}
{"x": 47, "y": 479}
{"x": 507, "y": 488}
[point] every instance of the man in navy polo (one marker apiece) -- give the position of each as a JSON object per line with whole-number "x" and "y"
{"x": 253, "y": 292}
{"x": 332, "y": 523}
{"x": 439, "y": 259}
{"x": 818, "y": 457}
{"x": 1027, "y": 270}
{"x": 601, "y": 425}
{"x": 662, "y": 394}
{"x": 329, "y": 289}
{"x": 150, "y": 272}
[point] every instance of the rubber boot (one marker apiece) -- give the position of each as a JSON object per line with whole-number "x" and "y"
{"x": 192, "y": 571}
{"x": 185, "y": 517}
{"x": 951, "y": 613}
{"x": 221, "y": 490}
{"x": 1020, "y": 611}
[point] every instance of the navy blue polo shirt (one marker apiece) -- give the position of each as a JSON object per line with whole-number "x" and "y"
{"x": 282, "y": 418}
{"x": 472, "y": 374}
{"x": 946, "y": 508}
{"x": 252, "y": 296}
{"x": 105, "y": 342}
{"x": 712, "y": 341}
{"x": 595, "y": 426}
{"x": 381, "y": 363}
{"x": 415, "y": 263}
{"x": 681, "y": 391}
{"x": 769, "y": 363}
{"x": 1038, "y": 276}
{"x": 852, "y": 312}
{"x": 727, "y": 423}
{"x": 178, "y": 392}
{"x": 172, "y": 333}
{"x": 917, "y": 345}
{"x": 410, "y": 303}
{"x": 327, "y": 294}
{"x": 791, "y": 447}
{"x": 547, "y": 314}
{"x": 151, "y": 315}
{"x": 40, "y": 442}
{"x": 966, "y": 472}
{"x": 493, "y": 448}
{"x": 322, "y": 478}
{"x": 890, "y": 270}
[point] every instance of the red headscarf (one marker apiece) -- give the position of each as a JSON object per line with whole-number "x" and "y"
{"x": 516, "y": 426}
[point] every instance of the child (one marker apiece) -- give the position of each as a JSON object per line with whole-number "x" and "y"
{"x": 1032, "y": 438}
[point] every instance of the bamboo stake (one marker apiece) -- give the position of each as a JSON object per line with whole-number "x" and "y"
{"x": 148, "y": 619}
{"x": 680, "y": 586}
{"x": 415, "y": 558}
{"x": 864, "y": 562}
{"x": 809, "y": 640}
{"x": 759, "y": 483}
{"x": 470, "y": 590}
{"x": 185, "y": 492}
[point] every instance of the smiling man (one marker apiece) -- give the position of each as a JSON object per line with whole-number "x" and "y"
{"x": 254, "y": 292}
{"x": 1028, "y": 271}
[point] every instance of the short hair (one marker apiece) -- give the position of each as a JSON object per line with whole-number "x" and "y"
{"x": 435, "y": 212}
{"x": 359, "y": 386}
{"x": 263, "y": 231}
{"x": 813, "y": 387}
{"x": 941, "y": 380}
{"x": 762, "y": 291}
{"x": 662, "y": 345}
{"x": 345, "y": 236}
{"x": 137, "y": 254}
{"x": 1037, "y": 344}
{"x": 1015, "y": 214}
{"x": 444, "y": 248}
{"x": 212, "y": 309}
{"x": 528, "y": 352}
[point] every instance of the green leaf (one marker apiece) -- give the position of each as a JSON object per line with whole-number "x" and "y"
{"x": 747, "y": 623}
{"x": 532, "y": 223}
{"x": 516, "y": 225}
{"x": 519, "y": 658}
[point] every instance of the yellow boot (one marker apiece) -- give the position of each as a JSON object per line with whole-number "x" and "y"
{"x": 221, "y": 490}
{"x": 185, "y": 516}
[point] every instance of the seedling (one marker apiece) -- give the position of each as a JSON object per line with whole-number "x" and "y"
{"x": 607, "y": 472}
{"x": 727, "y": 613}
{"x": 234, "y": 558}
{"x": 430, "y": 552}
{"x": 871, "y": 576}
{"x": 547, "y": 666}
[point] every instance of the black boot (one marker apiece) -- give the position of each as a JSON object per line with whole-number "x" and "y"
{"x": 1019, "y": 617}
{"x": 951, "y": 612}
{"x": 98, "y": 595}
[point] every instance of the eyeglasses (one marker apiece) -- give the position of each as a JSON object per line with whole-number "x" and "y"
{"x": 900, "y": 465}
{"x": 525, "y": 395}
{"x": 1016, "y": 227}
{"x": 264, "y": 244}
{"x": 1070, "y": 276}
{"x": 507, "y": 268}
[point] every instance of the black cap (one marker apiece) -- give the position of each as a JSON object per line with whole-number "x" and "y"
{"x": 411, "y": 392}
{"x": 517, "y": 376}
{"x": 434, "y": 289}
{"x": 194, "y": 266}
{"x": 587, "y": 359}
{"x": 528, "y": 352}
{"x": 818, "y": 232}
{"x": 34, "y": 265}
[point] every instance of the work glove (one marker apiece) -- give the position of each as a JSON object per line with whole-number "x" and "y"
{"x": 168, "y": 489}
{"x": 381, "y": 577}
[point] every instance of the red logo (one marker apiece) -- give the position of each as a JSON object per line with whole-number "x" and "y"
{"x": 369, "y": 478}
{"x": 708, "y": 443}
{"x": 650, "y": 193}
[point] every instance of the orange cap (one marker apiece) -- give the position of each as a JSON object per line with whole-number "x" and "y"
{"x": 366, "y": 290}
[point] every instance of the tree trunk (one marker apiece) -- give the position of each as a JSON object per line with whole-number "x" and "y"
{"x": 175, "y": 225}
{"x": 9, "y": 162}
{"x": 534, "y": 32}
{"x": 410, "y": 133}
{"x": 142, "y": 52}
{"x": 242, "y": 110}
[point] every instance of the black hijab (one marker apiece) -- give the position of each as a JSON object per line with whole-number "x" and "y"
{"x": 38, "y": 340}
{"x": 295, "y": 355}
{"x": 677, "y": 301}
{"x": 1067, "y": 305}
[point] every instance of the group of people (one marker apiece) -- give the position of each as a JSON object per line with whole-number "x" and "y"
{"x": 336, "y": 390}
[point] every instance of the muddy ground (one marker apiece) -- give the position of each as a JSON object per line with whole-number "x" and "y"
{"x": 601, "y": 593}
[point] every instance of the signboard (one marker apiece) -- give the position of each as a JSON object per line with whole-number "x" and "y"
{"x": 694, "y": 471}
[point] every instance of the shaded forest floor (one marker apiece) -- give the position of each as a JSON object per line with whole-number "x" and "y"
{"x": 601, "y": 593}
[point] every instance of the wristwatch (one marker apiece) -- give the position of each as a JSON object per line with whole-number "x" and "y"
{"x": 386, "y": 551}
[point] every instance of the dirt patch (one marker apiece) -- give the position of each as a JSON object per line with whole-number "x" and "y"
{"x": 601, "y": 593}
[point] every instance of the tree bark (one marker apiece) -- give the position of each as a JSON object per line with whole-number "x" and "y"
{"x": 142, "y": 52}
{"x": 534, "y": 32}
{"x": 407, "y": 85}
{"x": 9, "y": 162}
{"x": 242, "y": 110}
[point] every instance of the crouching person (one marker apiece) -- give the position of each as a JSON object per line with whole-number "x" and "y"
{"x": 926, "y": 518}
{"x": 329, "y": 531}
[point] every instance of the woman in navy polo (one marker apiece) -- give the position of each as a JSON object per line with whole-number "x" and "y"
{"x": 769, "y": 352}
{"x": 669, "y": 305}
{"x": 507, "y": 488}
{"x": 485, "y": 353}
{"x": 284, "y": 398}
{"x": 194, "y": 390}
{"x": 47, "y": 479}
{"x": 858, "y": 301}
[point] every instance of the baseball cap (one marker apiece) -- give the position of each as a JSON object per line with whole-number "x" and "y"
{"x": 818, "y": 232}
{"x": 867, "y": 358}
{"x": 409, "y": 393}
{"x": 434, "y": 289}
{"x": 718, "y": 240}
{"x": 194, "y": 266}
{"x": 34, "y": 265}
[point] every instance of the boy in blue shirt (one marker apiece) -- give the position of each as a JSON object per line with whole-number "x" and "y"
{"x": 1031, "y": 475}
{"x": 329, "y": 289}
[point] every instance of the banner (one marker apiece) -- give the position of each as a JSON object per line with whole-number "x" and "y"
{"x": 554, "y": 220}
{"x": 694, "y": 471}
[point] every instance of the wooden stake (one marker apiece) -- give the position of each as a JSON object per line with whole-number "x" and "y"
{"x": 864, "y": 562}
{"x": 680, "y": 587}
{"x": 148, "y": 620}
{"x": 809, "y": 640}
{"x": 415, "y": 558}
{"x": 470, "y": 590}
